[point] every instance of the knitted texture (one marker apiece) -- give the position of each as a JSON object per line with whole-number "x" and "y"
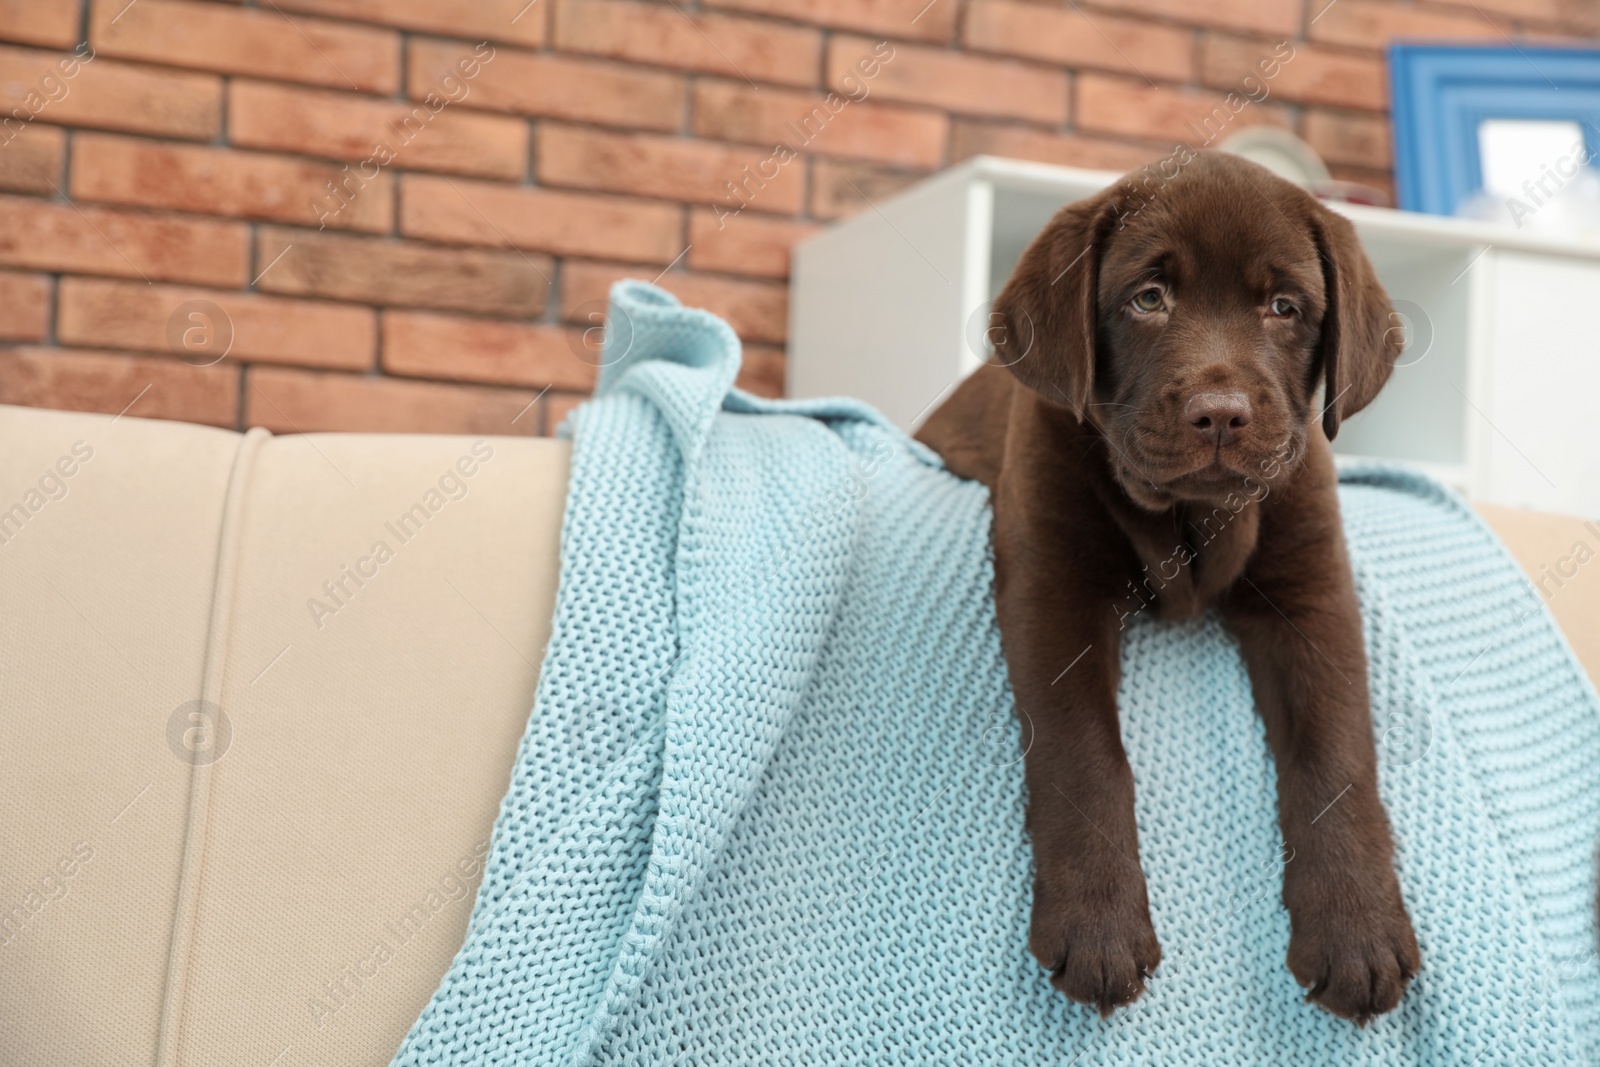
{"x": 769, "y": 805}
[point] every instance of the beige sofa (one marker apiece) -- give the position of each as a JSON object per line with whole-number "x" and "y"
{"x": 283, "y": 882}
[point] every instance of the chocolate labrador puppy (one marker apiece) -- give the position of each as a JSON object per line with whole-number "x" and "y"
{"x": 1149, "y": 433}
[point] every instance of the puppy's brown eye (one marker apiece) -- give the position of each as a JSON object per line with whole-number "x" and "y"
{"x": 1281, "y": 308}
{"x": 1147, "y": 300}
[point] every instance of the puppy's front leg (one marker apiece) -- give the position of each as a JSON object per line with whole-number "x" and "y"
{"x": 1091, "y": 917}
{"x": 1299, "y": 625}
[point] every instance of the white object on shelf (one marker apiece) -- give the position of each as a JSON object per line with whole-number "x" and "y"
{"x": 1497, "y": 394}
{"x": 1279, "y": 151}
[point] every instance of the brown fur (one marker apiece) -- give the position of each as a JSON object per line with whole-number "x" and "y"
{"x": 1173, "y": 457}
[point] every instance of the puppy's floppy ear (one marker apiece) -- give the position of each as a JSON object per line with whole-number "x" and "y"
{"x": 1044, "y": 320}
{"x": 1359, "y": 345}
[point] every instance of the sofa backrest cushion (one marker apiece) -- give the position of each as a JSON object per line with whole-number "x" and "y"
{"x": 259, "y": 700}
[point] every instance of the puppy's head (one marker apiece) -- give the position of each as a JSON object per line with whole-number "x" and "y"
{"x": 1191, "y": 320}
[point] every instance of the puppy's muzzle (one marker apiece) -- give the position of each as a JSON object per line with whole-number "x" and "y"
{"x": 1218, "y": 417}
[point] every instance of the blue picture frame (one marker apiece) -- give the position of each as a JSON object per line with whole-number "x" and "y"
{"x": 1442, "y": 92}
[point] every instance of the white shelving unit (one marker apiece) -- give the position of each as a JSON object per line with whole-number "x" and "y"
{"x": 1498, "y": 393}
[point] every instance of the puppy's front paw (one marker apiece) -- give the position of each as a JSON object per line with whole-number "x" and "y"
{"x": 1355, "y": 959}
{"x": 1099, "y": 947}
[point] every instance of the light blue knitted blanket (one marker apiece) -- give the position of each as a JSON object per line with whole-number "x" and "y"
{"x": 769, "y": 805}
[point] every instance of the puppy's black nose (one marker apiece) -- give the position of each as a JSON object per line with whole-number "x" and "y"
{"x": 1218, "y": 416}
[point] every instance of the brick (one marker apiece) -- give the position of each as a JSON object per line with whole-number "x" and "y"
{"x": 94, "y": 240}
{"x": 1074, "y": 38}
{"x": 219, "y": 181}
{"x": 301, "y": 401}
{"x": 557, "y": 406}
{"x": 905, "y": 19}
{"x": 757, "y": 311}
{"x": 49, "y": 23}
{"x": 1340, "y": 137}
{"x": 821, "y": 123}
{"x": 762, "y": 370}
{"x": 1576, "y": 19}
{"x": 840, "y": 189}
{"x": 955, "y": 81}
{"x": 256, "y": 41}
{"x": 346, "y": 127}
{"x": 1311, "y": 75}
{"x": 513, "y": 21}
{"x": 96, "y": 313}
{"x": 1365, "y": 24}
{"x": 108, "y": 94}
{"x": 542, "y": 84}
{"x": 1069, "y": 150}
{"x": 147, "y": 387}
{"x": 743, "y": 244}
{"x": 25, "y": 299}
{"x": 666, "y": 35}
{"x": 1529, "y": 32}
{"x": 1132, "y": 108}
{"x": 1279, "y": 17}
{"x": 669, "y": 167}
{"x": 578, "y": 224}
{"x": 31, "y": 160}
{"x": 426, "y": 345}
{"x": 386, "y": 272}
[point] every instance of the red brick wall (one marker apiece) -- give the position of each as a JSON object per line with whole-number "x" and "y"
{"x": 445, "y": 286}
